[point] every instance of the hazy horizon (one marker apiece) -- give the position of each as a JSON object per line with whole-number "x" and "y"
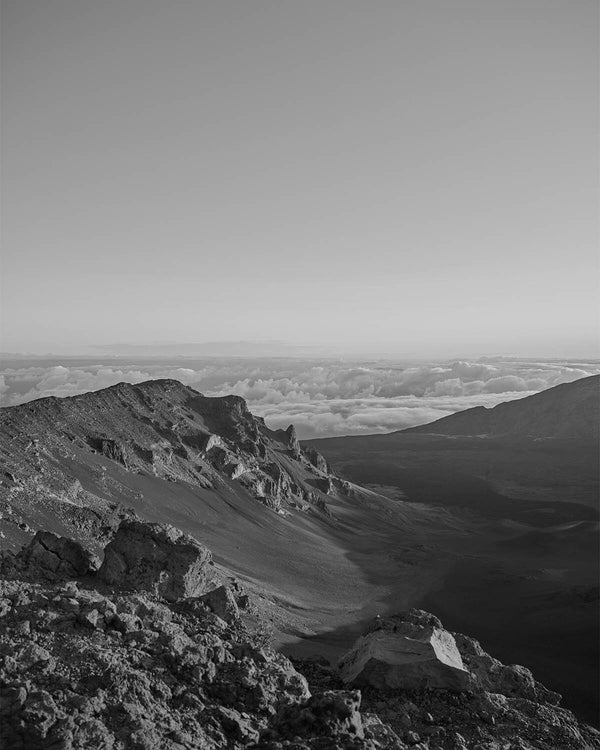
{"x": 281, "y": 349}
{"x": 416, "y": 179}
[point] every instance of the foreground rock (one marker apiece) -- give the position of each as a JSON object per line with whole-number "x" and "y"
{"x": 491, "y": 675}
{"x": 52, "y": 557}
{"x": 441, "y": 690}
{"x": 329, "y": 719}
{"x": 156, "y": 558}
{"x": 144, "y": 665}
{"x": 406, "y": 651}
{"x": 140, "y": 655}
{"x": 80, "y": 669}
{"x": 222, "y": 602}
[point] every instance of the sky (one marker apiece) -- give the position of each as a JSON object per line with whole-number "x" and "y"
{"x": 418, "y": 178}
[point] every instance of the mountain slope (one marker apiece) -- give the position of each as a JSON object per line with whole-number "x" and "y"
{"x": 161, "y": 429}
{"x": 569, "y": 410}
{"x": 273, "y": 514}
{"x": 320, "y": 555}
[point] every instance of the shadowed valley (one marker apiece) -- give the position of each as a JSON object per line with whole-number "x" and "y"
{"x": 523, "y": 478}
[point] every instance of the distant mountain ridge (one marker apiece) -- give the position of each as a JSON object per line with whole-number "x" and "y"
{"x": 53, "y": 453}
{"x": 566, "y": 411}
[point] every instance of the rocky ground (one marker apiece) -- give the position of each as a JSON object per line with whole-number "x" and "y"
{"x": 151, "y": 648}
{"x": 497, "y": 707}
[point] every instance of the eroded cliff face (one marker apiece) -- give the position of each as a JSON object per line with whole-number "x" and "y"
{"x": 62, "y": 457}
{"x": 170, "y": 655}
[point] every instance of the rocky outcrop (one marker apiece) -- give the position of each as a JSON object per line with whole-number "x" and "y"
{"x": 410, "y": 651}
{"x": 292, "y": 441}
{"x": 109, "y": 448}
{"x": 225, "y": 461}
{"x": 317, "y": 460}
{"x": 161, "y": 430}
{"x": 491, "y": 675}
{"x": 324, "y": 719}
{"x": 503, "y": 706}
{"x": 125, "y": 671}
{"x": 222, "y": 602}
{"x": 82, "y": 668}
{"x": 52, "y": 557}
{"x": 156, "y": 558}
{"x": 108, "y": 668}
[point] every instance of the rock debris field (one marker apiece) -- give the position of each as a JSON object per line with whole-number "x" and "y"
{"x": 151, "y": 647}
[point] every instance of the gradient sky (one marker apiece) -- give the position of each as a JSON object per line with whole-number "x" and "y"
{"x": 419, "y": 177}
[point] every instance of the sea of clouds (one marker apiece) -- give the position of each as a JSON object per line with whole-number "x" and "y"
{"x": 320, "y": 397}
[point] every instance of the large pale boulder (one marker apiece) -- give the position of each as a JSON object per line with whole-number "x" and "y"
{"x": 158, "y": 558}
{"x": 407, "y": 651}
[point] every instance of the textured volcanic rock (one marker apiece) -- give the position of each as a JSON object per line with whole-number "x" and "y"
{"x": 504, "y": 708}
{"x": 491, "y": 675}
{"x": 222, "y": 602}
{"x": 411, "y": 650}
{"x": 82, "y": 668}
{"x": 135, "y": 674}
{"x": 109, "y": 448}
{"x": 159, "y": 429}
{"x": 293, "y": 443}
{"x": 157, "y": 558}
{"x": 57, "y": 558}
{"x": 330, "y": 716}
{"x": 317, "y": 460}
{"x": 408, "y": 652}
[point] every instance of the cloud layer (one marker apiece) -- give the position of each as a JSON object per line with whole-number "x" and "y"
{"x": 322, "y": 398}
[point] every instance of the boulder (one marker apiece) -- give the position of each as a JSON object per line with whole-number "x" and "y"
{"x": 158, "y": 558}
{"x": 55, "y": 557}
{"x": 222, "y": 602}
{"x": 331, "y": 714}
{"x": 382, "y": 733}
{"x": 409, "y": 651}
{"x": 236, "y": 727}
